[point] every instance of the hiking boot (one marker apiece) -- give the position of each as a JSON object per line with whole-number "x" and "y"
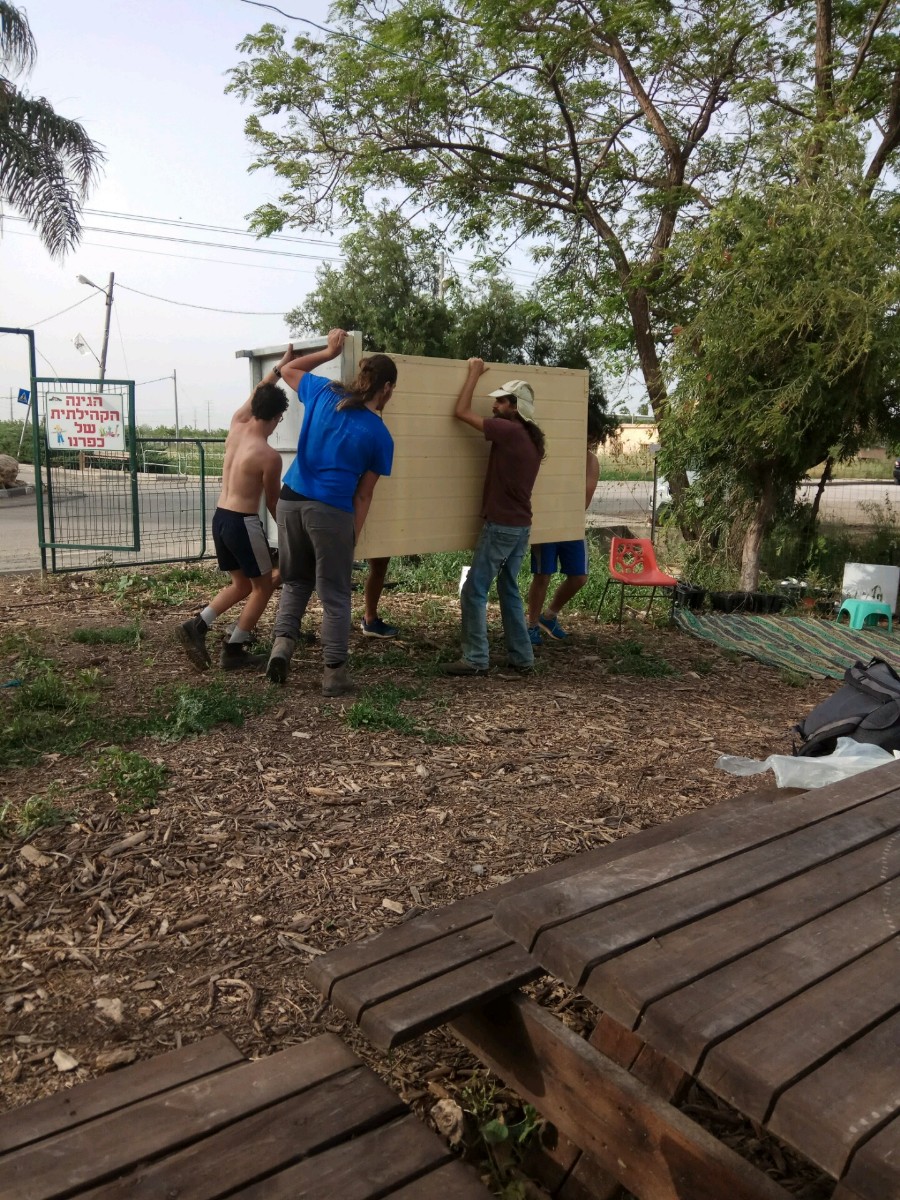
{"x": 462, "y": 667}
{"x": 520, "y": 668}
{"x": 378, "y": 629}
{"x": 279, "y": 659}
{"x": 534, "y": 635}
{"x": 336, "y": 682}
{"x": 192, "y": 635}
{"x": 552, "y": 627}
{"x": 236, "y": 656}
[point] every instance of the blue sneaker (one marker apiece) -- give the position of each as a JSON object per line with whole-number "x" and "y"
{"x": 552, "y": 627}
{"x": 378, "y": 628}
{"x": 534, "y": 635}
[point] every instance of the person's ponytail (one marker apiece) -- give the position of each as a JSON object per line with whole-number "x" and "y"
{"x": 374, "y": 373}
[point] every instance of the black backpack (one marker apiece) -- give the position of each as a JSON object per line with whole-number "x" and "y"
{"x": 866, "y": 708}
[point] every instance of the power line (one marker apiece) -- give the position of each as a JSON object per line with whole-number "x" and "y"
{"x": 227, "y": 262}
{"x": 180, "y": 224}
{"x": 234, "y": 312}
{"x": 44, "y": 320}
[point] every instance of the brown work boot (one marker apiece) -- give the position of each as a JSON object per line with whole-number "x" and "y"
{"x": 280, "y": 659}
{"x": 463, "y": 668}
{"x": 336, "y": 682}
{"x": 192, "y": 635}
{"x": 236, "y": 656}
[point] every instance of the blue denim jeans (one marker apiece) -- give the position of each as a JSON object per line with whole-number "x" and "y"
{"x": 498, "y": 555}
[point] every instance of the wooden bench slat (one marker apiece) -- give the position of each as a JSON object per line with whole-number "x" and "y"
{"x": 256, "y": 1147}
{"x": 102, "y": 1148}
{"x": 874, "y": 1171}
{"x": 355, "y": 994}
{"x": 455, "y": 1181}
{"x": 684, "y": 1024}
{"x": 81, "y": 1103}
{"x": 808, "y": 1030}
{"x": 373, "y": 1164}
{"x": 819, "y": 1115}
{"x": 440, "y": 1000}
{"x": 624, "y": 985}
{"x": 571, "y": 951}
{"x": 734, "y": 832}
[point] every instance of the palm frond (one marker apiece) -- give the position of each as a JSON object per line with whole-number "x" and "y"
{"x": 17, "y": 46}
{"x": 47, "y": 166}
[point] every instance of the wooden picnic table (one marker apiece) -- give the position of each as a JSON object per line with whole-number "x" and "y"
{"x": 751, "y": 945}
{"x": 762, "y": 958}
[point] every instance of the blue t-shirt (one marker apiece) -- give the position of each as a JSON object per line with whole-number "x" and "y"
{"x": 336, "y": 448}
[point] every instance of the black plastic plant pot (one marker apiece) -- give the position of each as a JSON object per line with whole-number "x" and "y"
{"x": 728, "y": 602}
{"x": 688, "y": 595}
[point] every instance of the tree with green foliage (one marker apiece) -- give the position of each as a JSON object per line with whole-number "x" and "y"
{"x": 47, "y": 162}
{"x": 793, "y": 352}
{"x": 390, "y": 286}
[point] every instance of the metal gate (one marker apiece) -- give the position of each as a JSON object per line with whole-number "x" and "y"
{"x": 107, "y": 495}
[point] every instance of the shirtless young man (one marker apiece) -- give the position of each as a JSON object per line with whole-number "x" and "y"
{"x": 251, "y": 468}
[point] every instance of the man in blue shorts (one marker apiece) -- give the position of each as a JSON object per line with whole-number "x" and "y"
{"x": 252, "y": 468}
{"x": 571, "y": 559}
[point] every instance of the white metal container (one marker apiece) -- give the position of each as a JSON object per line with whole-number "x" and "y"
{"x": 871, "y": 581}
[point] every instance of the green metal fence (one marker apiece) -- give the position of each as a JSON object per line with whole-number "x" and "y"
{"x": 131, "y": 500}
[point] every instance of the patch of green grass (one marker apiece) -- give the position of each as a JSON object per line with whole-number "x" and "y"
{"x": 702, "y": 666}
{"x": 116, "y": 635}
{"x": 195, "y": 709}
{"x": 630, "y": 658}
{"x": 41, "y": 811}
{"x": 134, "y": 780}
{"x": 172, "y": 586}
{"x": 378, "y": 709}
{"x": 795, "y": 679}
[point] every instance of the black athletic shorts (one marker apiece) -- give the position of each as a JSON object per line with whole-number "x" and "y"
{"x": 240, "y": 542}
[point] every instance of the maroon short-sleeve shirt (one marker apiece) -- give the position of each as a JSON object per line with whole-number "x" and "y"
{"x": 512, "y": 469}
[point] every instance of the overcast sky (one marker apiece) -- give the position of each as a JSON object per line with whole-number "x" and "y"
{"x": 147, "y": 82}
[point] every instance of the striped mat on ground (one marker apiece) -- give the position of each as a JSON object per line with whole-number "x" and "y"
{"x": 805, "y": 644}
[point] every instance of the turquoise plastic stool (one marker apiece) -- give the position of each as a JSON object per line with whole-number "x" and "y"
{"x": 866, "y": 612}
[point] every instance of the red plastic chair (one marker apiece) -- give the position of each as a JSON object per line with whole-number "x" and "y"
{"x": 632, "y": 563}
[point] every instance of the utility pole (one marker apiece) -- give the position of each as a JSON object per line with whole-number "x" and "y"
{"x": 109, "y": 301}
{"x": 175, "y": 387}
{"x": 208, "y": 419}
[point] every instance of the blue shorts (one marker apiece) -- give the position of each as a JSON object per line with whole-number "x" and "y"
{"x": 572, "y": 557}
{"x": 240, "y": 543}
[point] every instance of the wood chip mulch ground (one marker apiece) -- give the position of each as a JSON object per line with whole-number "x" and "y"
{"x": 126, "y": 934}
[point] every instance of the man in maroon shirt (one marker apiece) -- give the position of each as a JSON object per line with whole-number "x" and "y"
{"x": 517, "y": 449}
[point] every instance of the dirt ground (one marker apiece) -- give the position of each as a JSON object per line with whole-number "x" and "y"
{"x": 125, "y": 935}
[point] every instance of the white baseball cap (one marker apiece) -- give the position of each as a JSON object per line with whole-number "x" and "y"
{"x": 522, "y": 393}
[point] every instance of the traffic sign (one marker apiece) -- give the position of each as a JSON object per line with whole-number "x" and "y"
{"x": 24, "y": 395}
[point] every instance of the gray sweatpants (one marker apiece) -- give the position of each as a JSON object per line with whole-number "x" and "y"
{"x": 315, "y": 551}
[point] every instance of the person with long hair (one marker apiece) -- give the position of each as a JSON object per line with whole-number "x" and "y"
{"x": 517, "y": 450}
{"x": 343, "y": 450}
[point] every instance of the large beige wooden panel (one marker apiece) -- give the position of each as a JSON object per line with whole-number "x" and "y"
{"x": 432, "y": 500}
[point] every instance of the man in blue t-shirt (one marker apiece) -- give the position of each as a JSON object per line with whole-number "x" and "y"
{"x": 343, "y": 450}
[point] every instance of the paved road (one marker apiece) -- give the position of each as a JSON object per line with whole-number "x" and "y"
{"x": 170, "y": 509}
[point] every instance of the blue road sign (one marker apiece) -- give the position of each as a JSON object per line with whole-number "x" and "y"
{"x": 24, "y": 395}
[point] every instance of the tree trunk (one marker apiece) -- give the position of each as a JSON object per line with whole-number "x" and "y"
{"x": 753, "y": 538}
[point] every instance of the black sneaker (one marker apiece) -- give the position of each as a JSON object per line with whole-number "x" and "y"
{"x": 192, "y": 635}
{"x": 236, "y": 656}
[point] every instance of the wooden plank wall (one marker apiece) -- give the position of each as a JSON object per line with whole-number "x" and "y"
{"x": 432, "y": 500}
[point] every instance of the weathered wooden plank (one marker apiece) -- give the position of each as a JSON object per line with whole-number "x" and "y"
{"x": 654, "y": 1150}
{"x": 373, "y": 1164}
{"x": 570, "y": 951}
{"x": 94, "y": 1098}
{"x": 106, "y": 1146}
{"x": 455, "y": 1181}
{"x": 874, "y": 1171}
{"x": 829, "y": 1111}
{"x": 625, "y": 985}
{"x": 414, "y": 968}
{"x": 370, "y": 953}
{"x": 439, "y": 1000}
{"x": 723, "y": 834}
{"x": 759, "y": 1062}
{"x": 686, "y": 1023}
{"x": 255, "y": 1148}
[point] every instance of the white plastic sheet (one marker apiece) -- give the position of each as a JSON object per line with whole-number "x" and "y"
{"x": 849, "y": 758}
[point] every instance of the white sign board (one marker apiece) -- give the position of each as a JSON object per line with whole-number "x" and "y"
{"x": 85, "y": 422}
